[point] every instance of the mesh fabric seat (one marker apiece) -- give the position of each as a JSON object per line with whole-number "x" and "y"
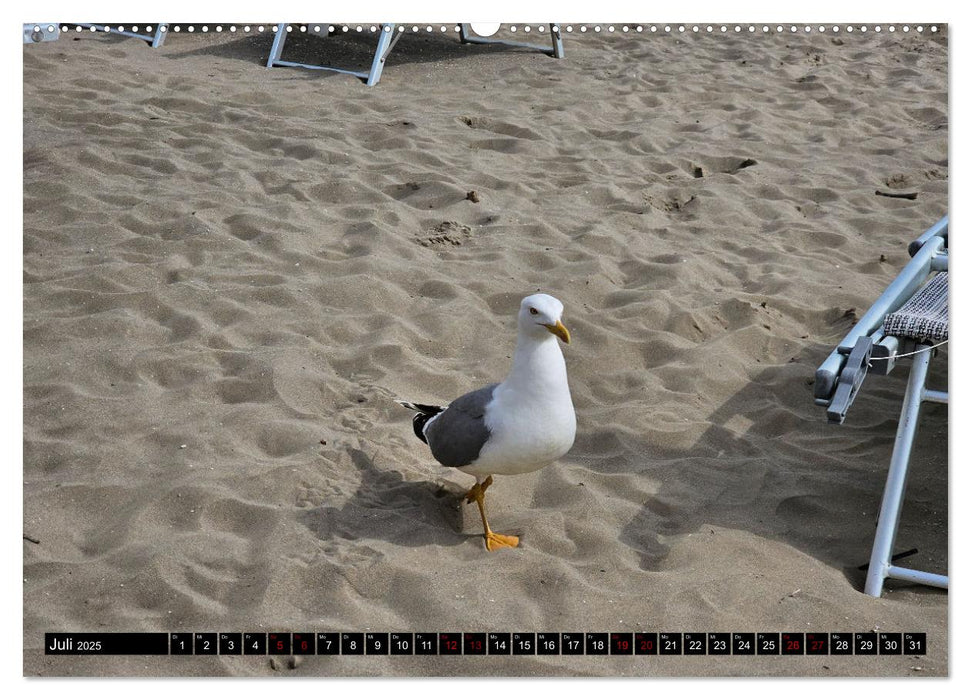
{"x": 924, "y": 316}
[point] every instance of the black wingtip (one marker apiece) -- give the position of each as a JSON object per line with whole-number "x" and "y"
{"x": 423, "y": 414}
{"x": 418, "y": 423}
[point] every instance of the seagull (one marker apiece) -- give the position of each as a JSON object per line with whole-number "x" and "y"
{"x": 517, "y": 426}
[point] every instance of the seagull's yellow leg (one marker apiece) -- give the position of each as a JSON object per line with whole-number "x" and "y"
{"x": 493, "y": 541}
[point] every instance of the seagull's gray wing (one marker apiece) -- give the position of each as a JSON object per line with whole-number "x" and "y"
{"x": 457, "y": 434}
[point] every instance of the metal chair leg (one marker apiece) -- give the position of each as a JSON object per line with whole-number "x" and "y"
{"x": 893, "y": 495}
{"x": 159, "y": 37}
{"x": 386, "y": 41}
{"x": 277, "y": 49}
{"x": 557, "y": 41}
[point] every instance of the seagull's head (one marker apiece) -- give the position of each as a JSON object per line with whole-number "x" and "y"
{"x": 540, "y": 314}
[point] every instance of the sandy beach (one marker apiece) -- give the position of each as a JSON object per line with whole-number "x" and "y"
{"x": 231, "y": 272}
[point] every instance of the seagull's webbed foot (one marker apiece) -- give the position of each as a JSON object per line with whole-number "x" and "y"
{"x": 493, "y": 541}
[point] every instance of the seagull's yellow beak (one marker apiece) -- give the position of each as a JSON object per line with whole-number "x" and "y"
{"x": 560, "y": 331}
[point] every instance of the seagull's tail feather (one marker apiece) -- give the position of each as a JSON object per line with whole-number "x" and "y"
{"x": 423, "y": 414}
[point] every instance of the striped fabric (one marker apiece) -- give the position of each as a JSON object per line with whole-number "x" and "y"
{"x": 924, "y": 316}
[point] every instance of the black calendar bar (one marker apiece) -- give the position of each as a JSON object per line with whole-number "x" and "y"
{"x": 352, "y": 644}
{"x": 840, "y": 643}
{"x": 768, "y": 643}
{"x": 253, "y": 643}
{"x": 524, "y": 643}
{"x": 230, "y": 644}
{"x": 571, "y": 643}
{"x": 719, "y": 643}
{"x": 695, "y": 644}
{"x": 328, "y": 643}
{"x": 487, "y": 644}
{"x": 181, "y": 643}
{"x": 548, "y": 643}
{"x": 865, "y": 644}
{"x": 377, "y": 643}
{"x": 670, "y": 643}
{"x": 743, "y": 643}
{"x": 426, "y": 643}
{"x": 890, "y": 643}
{"x": 915, "y": 643}
{"x": 793, "y": 643}
{"x": 206, "y": 643}
{"x": 597, "y": 643}
{"x": 621, "y": 643}
{"x": 500, "y": 643}
{"x": 474, "y": 643}
{"x": 817, "y": 643}
{"x": 449, "y": 643}
{"x": 304, "y": 643}
{"x": 105, "y": 643}
{"x": 645, "y": 643}
{"x": 402, "y": 644}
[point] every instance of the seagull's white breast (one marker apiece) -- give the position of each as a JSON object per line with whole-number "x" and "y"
{"x": 530, "y": 418}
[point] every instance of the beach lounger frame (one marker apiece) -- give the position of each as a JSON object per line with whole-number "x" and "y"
{"x": 885, "y": 332}
{"x": 155, "y": 39}
{"x": 556, "y": 50}
{"x": 388, "y": 37}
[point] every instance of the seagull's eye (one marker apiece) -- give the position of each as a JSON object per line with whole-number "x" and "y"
{"x": 533, "y": 311}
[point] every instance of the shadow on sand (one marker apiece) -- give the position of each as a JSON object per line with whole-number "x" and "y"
{"x": 771, "y": 464}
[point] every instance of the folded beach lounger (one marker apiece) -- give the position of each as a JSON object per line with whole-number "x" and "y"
{"x": 388, "y": 36}
{"x": 909, "y": 319}
{"x": 155, "y": 39}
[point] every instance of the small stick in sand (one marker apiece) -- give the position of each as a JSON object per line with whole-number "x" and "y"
{"x": 897, "y": 195}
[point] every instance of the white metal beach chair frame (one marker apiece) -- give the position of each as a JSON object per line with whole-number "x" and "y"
{"x": 868, "y": 347}
{"x": 388, "y": 36}
{"x": 556, "y": 50}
